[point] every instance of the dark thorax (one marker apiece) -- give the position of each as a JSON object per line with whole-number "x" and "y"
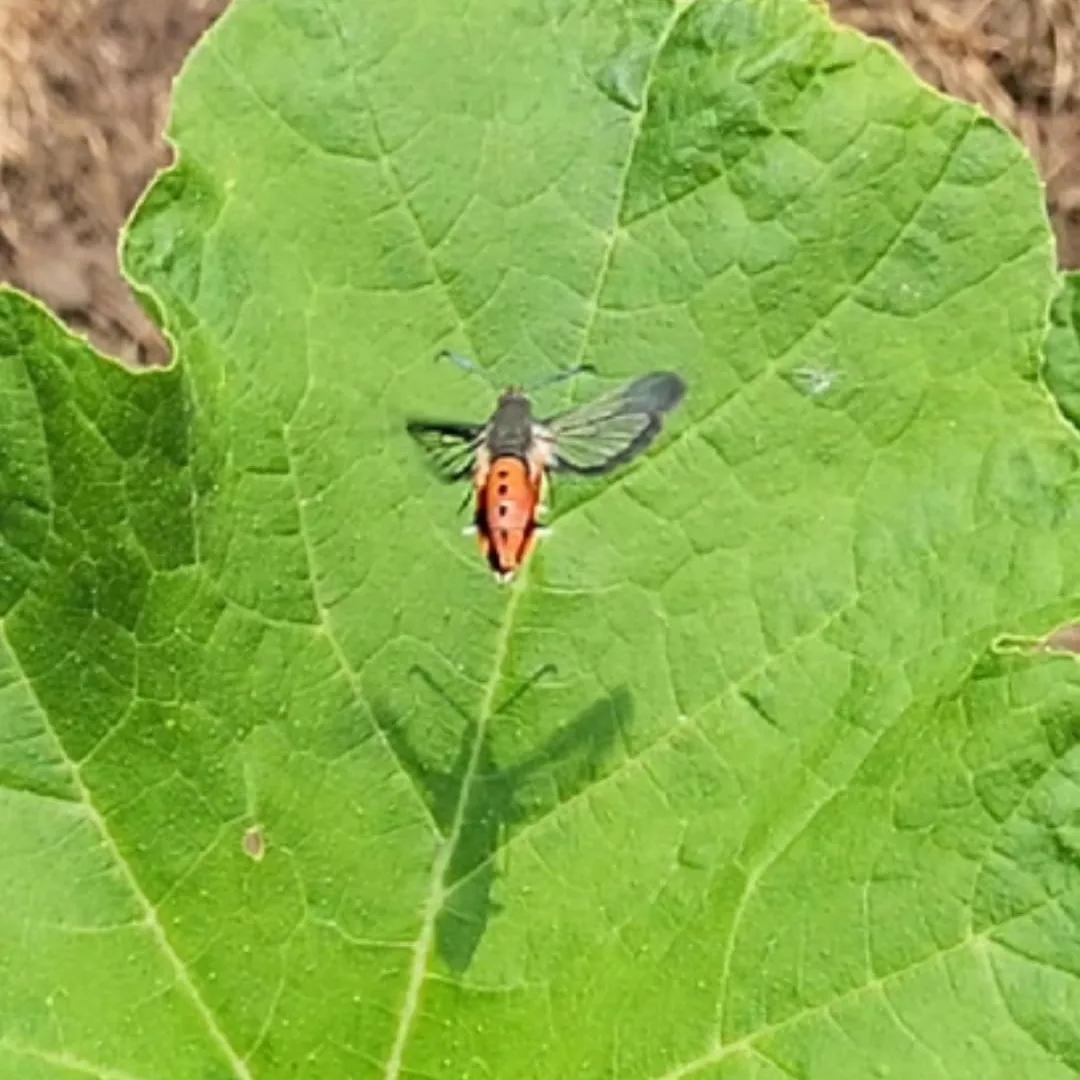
{"x": 510, "y": 432}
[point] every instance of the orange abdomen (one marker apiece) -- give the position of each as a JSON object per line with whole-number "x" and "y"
{"x": 506, "y": 514}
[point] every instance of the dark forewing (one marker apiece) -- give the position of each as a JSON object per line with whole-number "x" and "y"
{"x": 450, "y": 446}
{"x": 599, "y": 436}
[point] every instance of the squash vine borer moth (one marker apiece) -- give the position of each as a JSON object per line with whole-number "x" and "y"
{"x": 510, "y": 455}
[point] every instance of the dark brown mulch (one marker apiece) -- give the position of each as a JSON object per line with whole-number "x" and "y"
{"x": 84, "y": 88}
{"x": 84, "y": 96}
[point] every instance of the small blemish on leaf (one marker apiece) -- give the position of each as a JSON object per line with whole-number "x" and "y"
{"x": 254, "y": 843}
{"x": 814, "y": 382}
{"x": 622, "y": 79}
{"x": 688, "y": 858}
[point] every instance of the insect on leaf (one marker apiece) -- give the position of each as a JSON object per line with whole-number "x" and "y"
{"x": 828, "y": 831}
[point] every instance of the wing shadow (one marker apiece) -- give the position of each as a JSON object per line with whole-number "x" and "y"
{"x": 498, "y": 800}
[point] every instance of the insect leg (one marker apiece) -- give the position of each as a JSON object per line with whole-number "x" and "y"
{"x": 545, "y": 501}
{"x": 474, "y": 526}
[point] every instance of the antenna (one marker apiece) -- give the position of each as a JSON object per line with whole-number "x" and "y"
{"x": 473, "y": 368}
{"x": 560, "y": 376}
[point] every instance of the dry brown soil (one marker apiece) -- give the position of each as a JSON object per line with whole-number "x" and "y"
{"x": 84, "y": 89}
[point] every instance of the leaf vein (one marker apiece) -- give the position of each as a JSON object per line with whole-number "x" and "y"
{"x": 439, "y": 891}
{"x": 153, "y": 924}
{"x": 347, "y": 670}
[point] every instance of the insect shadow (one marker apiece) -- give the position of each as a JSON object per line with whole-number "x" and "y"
{"x": 500, "y": 799}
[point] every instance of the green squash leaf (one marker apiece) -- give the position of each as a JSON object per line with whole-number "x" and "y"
{"x": 738, "y": 779}
{"x": 1062, "y": 369}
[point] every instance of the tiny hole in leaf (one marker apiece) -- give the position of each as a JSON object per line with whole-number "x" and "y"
{"x": 254, "y": 843}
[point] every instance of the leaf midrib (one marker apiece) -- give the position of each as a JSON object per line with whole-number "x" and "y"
{"x": 437, "y": 891}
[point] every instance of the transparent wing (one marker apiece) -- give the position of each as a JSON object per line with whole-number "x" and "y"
{"x": 450, "y": 446}
{"x": 599, "y": 436}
